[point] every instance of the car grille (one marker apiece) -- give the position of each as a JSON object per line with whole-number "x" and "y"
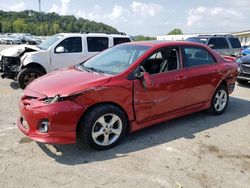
{"x": 10, "y": 64}
{"x": 245, "y": 68}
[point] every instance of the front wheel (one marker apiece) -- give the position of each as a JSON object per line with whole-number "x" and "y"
{"x": 103, "y": 127}
{"x": 219, "y": 101}
{"x": 27, "y": 75}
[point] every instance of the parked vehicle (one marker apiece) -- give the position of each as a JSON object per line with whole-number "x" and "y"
{"x": 227, "y": 45}
{"x": 6, "y": 40}
{"x": 244, "y": 69}
{"x": 245, "y": 51}
{"x": 25, "y": 63}
{"x": 125, "y": 88}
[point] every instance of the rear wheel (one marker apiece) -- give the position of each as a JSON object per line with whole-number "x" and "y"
{"x": 27, "y": 75}
{"x": 103, "y": 127}
{"x": 219, "y": 101}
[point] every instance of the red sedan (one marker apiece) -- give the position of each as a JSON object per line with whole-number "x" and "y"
{"x": 125, "y": 88}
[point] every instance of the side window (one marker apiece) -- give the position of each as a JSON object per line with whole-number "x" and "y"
{"x": 97, "y": 44}
{"x": 235, "y": 43}
{"x": 120, "y": 40}
{"x": 218, "y": 43}
{"x": 71, "y": 45}
{"x": 164, "y": 60}
{"x": 196, "y": 56}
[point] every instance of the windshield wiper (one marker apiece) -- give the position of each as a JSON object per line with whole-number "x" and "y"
{"x": 93, "y": 69}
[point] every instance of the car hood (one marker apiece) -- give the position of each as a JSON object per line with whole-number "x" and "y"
{"x": 67, "y": 81}
{"x": 245, "y": 59}
{"x": 17, "y": 50}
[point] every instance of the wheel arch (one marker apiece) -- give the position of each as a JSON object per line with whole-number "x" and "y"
{"x": 35, "y": 65}
{"x": 99, "y": 104}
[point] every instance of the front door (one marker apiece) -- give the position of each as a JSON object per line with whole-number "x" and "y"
{"x": 168, "y": 93}
{"x": 73, "y": 53}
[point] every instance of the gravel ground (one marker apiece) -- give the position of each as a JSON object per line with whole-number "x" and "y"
{"x": 197, "y": 150}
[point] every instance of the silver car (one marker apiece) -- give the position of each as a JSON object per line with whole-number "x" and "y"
{"x": 227, "y": 45}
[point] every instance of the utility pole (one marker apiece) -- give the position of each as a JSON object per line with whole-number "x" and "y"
{"x": 39, "y": 1}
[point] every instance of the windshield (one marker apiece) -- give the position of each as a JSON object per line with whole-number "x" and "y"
{"x": 197, "y": 39}
{"x": 115, "y": 60}
{"x": 50, "y": 41}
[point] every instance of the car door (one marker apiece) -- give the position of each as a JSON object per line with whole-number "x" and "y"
{"x": 168, "y": 92}
{"x": 95, "y": 44}
{"x": 219, "y": 44}
{"x": 72, "y": 54}
{"x": 203, "y": 74}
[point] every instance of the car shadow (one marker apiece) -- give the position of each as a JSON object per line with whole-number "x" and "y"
{"x": 14, "y": 85}
{"x": 184, "y": 127}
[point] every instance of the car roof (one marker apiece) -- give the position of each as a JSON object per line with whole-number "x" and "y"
{"x": 94, "y": 34}
{"x": 160, "y": 43}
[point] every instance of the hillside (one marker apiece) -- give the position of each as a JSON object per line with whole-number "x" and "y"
{"x": 37, "y": 23}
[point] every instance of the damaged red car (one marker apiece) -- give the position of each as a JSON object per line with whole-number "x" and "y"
{"x": 125, "y": 88}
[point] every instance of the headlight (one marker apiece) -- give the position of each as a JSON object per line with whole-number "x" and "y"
{"x": 58, "y": 98}
{"x": 52, "y": 100}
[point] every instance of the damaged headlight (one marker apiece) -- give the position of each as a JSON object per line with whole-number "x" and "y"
{"x": 52, "y": 100}
{"x": 58, "y": 98}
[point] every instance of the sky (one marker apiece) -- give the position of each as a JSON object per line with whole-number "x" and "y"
{"x": 150, "y": 18}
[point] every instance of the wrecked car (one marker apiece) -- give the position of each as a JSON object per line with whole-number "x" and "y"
{"x": 125, "y": 88}
{"x": 26, "y": 63}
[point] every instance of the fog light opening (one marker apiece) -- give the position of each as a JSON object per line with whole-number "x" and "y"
{"x": 44, "y": 126}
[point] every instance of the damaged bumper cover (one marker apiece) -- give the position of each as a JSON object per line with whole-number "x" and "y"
{"x": 10, "y": 60}
{"x": 9, "y": 67}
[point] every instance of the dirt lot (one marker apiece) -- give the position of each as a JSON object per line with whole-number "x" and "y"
{"x": 198, "y": 150}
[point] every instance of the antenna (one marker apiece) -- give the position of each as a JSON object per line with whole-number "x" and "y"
{"x": 39, "y": 2}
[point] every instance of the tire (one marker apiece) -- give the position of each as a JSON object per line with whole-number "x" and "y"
{"x": 96, "y": 130}
{"x": 27, "y": 75}
{"x": 242, "y": 81}
{"x": 219, "y": 101}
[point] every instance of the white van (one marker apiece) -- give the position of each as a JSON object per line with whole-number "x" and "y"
{"x": 25, "y": 63}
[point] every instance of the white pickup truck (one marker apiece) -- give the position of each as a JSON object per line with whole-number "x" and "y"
{"x": 25, "y": 63}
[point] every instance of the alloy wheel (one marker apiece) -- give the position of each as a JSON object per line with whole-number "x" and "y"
{"x": 220, "y": 101}
{"x": 107, "y": 129}
{"x": 28, "y": 78}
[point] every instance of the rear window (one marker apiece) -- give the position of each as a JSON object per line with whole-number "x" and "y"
{"x": 121, "y": 40}
{"x": 235, "y": 43}
{"x": 197, "y": 39}
{"x": 97, "y": 44}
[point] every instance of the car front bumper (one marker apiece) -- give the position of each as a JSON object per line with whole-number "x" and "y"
{"x": 62, "y": 116}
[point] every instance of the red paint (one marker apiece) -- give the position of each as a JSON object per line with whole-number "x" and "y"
{"x": 170, "y": 95}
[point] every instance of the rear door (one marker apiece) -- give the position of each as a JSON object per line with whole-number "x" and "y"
{"x": 94, "y": 45}
{"x": 219, "y": 44}
{"x": 169, "y": 91}
{"x": 203, "y": 74}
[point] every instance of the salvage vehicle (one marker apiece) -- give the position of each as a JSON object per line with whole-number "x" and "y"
{"x": 226, "y": 45}
{"x": 244, "y": 69}
{"x": 25, "y": 63}
{"x": 125, "y": 88}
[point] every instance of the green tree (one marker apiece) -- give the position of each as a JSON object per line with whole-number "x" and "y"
{"x": 19, "y": 25}
{"x": 41, "y": 23}
{"x": 175, "y": 31}
{"x": 142, "y": 38}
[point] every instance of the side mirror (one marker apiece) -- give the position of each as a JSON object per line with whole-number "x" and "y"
{"x": 60, "y": 49}
{"x": 211, "y": 46}
{"x": 147, "y": 82}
